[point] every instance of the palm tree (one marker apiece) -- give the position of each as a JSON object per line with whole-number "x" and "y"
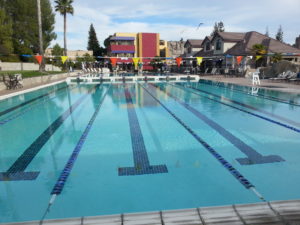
{"x": 64, "y": 7}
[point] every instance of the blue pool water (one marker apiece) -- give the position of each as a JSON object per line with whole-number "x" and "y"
{"x": 121, "y": 148}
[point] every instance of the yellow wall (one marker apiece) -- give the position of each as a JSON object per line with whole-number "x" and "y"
{"x": 135, "y": 35}
{"x": 164, "y": 46}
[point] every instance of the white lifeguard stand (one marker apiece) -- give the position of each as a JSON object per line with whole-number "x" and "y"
{"x": 255, "y": 78}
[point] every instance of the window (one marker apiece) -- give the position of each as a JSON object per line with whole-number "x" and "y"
{"x": 207, "y": 46}
{"x": 218, "y": 44}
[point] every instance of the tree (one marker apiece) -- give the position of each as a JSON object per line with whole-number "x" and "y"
{"x": 93, "y": 43}
{"x": 267, "y": 31}
{"x": 259, "y": 49}
{"x": 279, "y": 35}
{"x": 6, "y": 44}
{"x": 57, "y": 52}
{"x": 276, "y": 57}
{"x": 25, "y": 25}
{"x": 64, "y": 7}
{"x": 218, "y": 27}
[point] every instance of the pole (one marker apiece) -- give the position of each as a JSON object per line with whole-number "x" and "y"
{"x": 42, "y": 66}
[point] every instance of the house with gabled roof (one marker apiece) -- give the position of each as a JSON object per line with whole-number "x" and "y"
{"x": 192, "y": 46}
{"x": 240, "y": 44}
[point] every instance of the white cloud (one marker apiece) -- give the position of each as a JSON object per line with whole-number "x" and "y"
{"x": 174, "y": 19}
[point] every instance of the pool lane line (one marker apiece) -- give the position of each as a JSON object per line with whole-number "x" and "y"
{"x": 140, "y": 157}
{"x": 9, "y": 119}
{"x": 29, "y": 101}
{"x": 250, "y": 107}
{"x": 271, "y": 98}
{"x": 17, "y": 171}
{"x": 244, "y": 181}
{"x": 242, "y": 110}
{"x": 58, "y": 187}
{"x": 253, "y": 157}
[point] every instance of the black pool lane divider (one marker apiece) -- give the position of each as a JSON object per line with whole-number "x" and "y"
{"x": 29, "y": 101}
{"x": 245, "y": 182}
{"x": 17, "y": 171}
{"x": 243, "y": 92}
{"x": 242, "y": 110}
{"x": 58, "y": 187}
{"x": 141, "y": 161}
{"x": 253, "y": 157}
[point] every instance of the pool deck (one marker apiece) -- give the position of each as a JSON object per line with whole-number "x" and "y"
{"x": 267, "y": 84}
{"x": 271, "y": 213}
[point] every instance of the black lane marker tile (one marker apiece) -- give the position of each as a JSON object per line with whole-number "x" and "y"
{"x": 58, "y": 187}
{"x": 16, "y": 171}
{"x": 253, "y": 157}
{"x": 245, "y": 182}
{"x": 140, "y": 156}
{"x": 242, "y": 110}
{"x": 257, "y": 95}
{"x": 29, "y": 101}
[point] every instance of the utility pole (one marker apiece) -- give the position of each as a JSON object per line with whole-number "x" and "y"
{"x": 42, "y": 65}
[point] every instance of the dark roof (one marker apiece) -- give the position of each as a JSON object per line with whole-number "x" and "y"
{"x": 230, "y": 36}
{"x": 196, "y": 43}
{"x": 209, "y": 38}
{"x": 203, "y": 53}
{"x": 244, "y": 47}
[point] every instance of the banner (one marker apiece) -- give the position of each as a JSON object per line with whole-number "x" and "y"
{"x": 258, "y": 57}
{"x": 64, "y": 59}
{"x": 178, "y": 61}
{"x": 239, "y": 59}
{"x": 113, "y": 61}
{"x": 135, "y": 62}
{"x": 199, "y": 60}
{"x": 39, "y": 58}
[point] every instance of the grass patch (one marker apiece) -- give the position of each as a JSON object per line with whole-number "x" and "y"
{"x": 26, "y": 74}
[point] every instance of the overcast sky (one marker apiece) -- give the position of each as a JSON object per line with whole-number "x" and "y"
{"x": 175, "y": 19}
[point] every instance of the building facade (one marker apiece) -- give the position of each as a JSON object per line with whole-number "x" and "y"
{"x": 72, "y": 54}
{"x": 192, "y": 46}
{"x": 175, "y": 48}
{"x": 128, "y": 45}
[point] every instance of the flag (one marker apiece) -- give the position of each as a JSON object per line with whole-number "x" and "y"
{"x": 64, "y": 59}
{"x": 239, "y": 59}
{"x": 113, "y": 61}
{"x": 39, "y": 58}
{"x": 178, "y": 61}
{"x": 199, "y": 60}
{"x": 135, "y": 62}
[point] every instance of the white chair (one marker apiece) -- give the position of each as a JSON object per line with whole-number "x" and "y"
{"x": 255, "y": 78}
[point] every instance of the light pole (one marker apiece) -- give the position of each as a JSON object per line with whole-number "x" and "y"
{"x": 42, "y": 66}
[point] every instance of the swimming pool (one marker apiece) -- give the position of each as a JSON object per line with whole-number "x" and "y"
{"x": 121, "y": 148}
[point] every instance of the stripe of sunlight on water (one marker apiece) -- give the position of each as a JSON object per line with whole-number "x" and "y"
{"x": 16, "y": 136}
{"x": 277, "y": 180}
{"x": 194, "y": 177}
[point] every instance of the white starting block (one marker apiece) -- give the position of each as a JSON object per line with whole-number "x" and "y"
{"x": 255, "y": 78}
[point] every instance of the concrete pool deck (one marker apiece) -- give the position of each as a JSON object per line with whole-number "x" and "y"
{"x": 267, "y": 84}
{"x": 271, "y": 213}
